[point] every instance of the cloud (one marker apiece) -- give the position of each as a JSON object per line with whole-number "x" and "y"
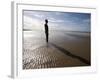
{"x": 86, "y": 20}
{"x": 39, "y": 16}
{"x": 28, "y": 21}
{"x": 57, "y": 20}
{"x": 33, "y": 24}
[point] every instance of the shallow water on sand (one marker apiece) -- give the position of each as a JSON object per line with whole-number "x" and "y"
{"x": 65, "y": 49}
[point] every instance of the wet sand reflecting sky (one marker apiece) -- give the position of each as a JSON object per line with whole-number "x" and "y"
{"x": 65, "y": 49}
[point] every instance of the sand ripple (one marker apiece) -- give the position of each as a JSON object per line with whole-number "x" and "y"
{"x": 47, "y": 57}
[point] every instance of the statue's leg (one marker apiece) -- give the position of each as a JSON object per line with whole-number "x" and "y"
{"x": 47, "y": 37}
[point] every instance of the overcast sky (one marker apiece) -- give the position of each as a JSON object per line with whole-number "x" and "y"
{"x": 57, "y": 20}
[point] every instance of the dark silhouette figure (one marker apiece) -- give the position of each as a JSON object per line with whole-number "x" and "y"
{"x": 46, "y": 29}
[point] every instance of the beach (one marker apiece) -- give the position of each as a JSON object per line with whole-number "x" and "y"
{"x": 64, "y": 49}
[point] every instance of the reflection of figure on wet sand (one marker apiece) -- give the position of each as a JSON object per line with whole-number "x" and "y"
{"x": 46, "y": 29}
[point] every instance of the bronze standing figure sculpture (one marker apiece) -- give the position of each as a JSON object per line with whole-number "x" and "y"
{"x": 46, "y": 29}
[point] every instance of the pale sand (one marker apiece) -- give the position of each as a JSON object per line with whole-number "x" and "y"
{"x": 65, "y": 49}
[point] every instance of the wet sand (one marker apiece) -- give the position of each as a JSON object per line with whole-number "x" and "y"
{"x": 65, "y": 49}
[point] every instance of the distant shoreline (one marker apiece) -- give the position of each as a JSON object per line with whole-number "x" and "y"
{"x": 57, "y": 30}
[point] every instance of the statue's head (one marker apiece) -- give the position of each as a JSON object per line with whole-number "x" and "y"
{"x": 46, "y": 20}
